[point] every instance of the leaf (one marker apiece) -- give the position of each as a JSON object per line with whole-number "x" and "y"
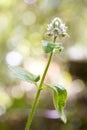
{"x": 50, "y": 46}
{"x": 60, "y": 96}
{"x": 24, "y": 75}
{"x": 59, "y": 48}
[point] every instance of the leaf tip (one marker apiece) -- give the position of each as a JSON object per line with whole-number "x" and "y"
{"x": 63, "y": 117}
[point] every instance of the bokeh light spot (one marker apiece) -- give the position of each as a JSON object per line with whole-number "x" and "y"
{"x": 17, "y": 92}
{"x": 29, "y": 18}
{"x": 29, "y": 1}
{"x": 5, "y": 99}
{"x": 2, "y": 110}
{"x": 4, "y": 21}
{"x": 13, "y": 58}
{"x": 5, "y": 3}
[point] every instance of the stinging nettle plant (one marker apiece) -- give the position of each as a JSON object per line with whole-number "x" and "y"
{"x": 55, "y": 30}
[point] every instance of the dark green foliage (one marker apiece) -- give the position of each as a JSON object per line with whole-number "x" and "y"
{"x": 60, "y": 96}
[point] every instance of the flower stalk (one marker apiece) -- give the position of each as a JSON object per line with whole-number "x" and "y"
{"x": 38, "y": 92}
{"x": 55, "y": 29}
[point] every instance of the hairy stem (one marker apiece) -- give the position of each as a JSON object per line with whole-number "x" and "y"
{"x": 38, "y": 92}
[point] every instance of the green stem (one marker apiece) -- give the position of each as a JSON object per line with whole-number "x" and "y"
{"x": 38, "y": 92}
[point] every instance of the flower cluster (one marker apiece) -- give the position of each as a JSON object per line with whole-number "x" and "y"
{"x": 57, "y": 28}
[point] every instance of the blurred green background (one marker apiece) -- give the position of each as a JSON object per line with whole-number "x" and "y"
{"x": 23, "y": 26}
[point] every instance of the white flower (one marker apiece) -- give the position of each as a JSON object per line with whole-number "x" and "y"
{"x": 57, "y": 27}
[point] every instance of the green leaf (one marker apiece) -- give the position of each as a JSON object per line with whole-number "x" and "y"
{"x": 60, "y": 96}
{"x": 24, "y": 75}
{"x": 59, "y": 48}
{"x": 50, "y": 46}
